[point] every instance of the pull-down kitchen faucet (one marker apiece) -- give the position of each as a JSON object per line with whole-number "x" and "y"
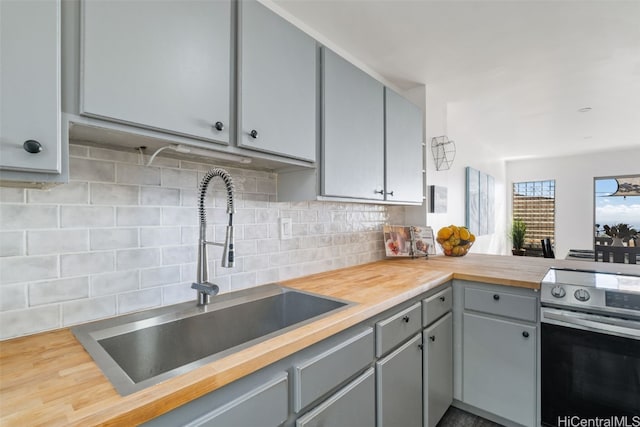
{"x": 205, "y": 288}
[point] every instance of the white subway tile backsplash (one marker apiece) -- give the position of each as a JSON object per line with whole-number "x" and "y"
{"x": 113, "y": 238}
{"x": 114, "y": 194}
{"x": 57, "y": 241}
{"x": 25, "y": 217}
{"x": 86, "y": 216}
{"x": 114, "y": 283}
{"x": 60, "y": 290}
{"x": 122, "y": 237}
{"x": 74, "y": 192}
{"x": 28, "y": 268}
{"x": 143, "y": 216}
{"x": 128, "y": 259}
{"x": 12, "y": 243}
{"x": 91, "y": 170}
{"x": 158, "y": 196}
{"x": 139, "y": 300}
{"x": 86, "y": 263}
{"x": 29, "y": 321}
{"x": 161, "y": 236}
{"x": 158, "y": 276}
{"x": 13, "y": 297}
{"x": 86, "y": 310}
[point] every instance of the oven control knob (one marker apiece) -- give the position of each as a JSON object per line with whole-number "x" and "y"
{"x": 582, "y": 295}
{"x": 558, "y": 291}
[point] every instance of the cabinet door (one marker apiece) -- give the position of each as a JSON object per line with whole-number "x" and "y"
{"x": 399, "y": 386}
{"x": 438, "y": 369}
{"x": 404, "y": 180}
{"x": 161, "y": 64}
{"x": 30, "y": 85}
{"x": 499, "y": 367}
{"x": 277, "y": 84}
{"x": 352, "y": 406}
{"x": 352, "y": 131}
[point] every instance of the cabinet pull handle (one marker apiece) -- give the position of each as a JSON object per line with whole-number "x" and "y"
{"x": 253, "y": 134}
{"x": 405, "y": 319}
{"x": 390, "y": 193}
{"x": 442, "y": 298}
{"x": 496, "y": 297}
{"x": 432, "y": 338}
{"x": 32, "y": 146}
{"x": 219, "y": 126}
{"x": 378, "y": 191}
{"x": 525, "y": 334}
{"x": 420, "y": 346}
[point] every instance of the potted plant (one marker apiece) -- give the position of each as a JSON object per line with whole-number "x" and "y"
{"x": 620, "y": 233}
{"x": 518, "y": 230}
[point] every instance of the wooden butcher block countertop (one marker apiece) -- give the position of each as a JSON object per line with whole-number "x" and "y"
{"x": 49, "y": 379}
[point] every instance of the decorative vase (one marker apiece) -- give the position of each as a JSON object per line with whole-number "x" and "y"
{"x": 518, "y": 252}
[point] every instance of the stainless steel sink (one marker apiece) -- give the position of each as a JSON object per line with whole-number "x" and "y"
{"x": 142, "y": 349}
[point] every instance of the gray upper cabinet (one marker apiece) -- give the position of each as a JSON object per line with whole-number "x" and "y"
{"x": 403, "y": 149}
{"x": 352, "y": 131}
{"x": 30, "y": 87}
{"x": 164, "y": 65}
{"x": 277, "y": 84}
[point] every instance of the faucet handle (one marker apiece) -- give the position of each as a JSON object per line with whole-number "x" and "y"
{"x": 206, "y": 287}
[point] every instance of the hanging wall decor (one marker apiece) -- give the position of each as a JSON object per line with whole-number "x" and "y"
{"x": 444, "y": 151}
{"x": 480, "y": 202}
{"x": 437, "y": 199}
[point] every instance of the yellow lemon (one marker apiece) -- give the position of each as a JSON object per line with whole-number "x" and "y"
{"x": 444, "y": 233}
{"x": 464, "y": 234}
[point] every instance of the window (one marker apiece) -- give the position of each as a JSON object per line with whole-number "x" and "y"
{"x": 534, "y": 202}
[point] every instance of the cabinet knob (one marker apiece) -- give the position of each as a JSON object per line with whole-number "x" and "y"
{"x": 432, "y": 338}
{"x": 32, "y": 146}
{"x": 420, "y": 346}
{"x": 525, "y": 334}
{"x": 405, "y": 319}
{"x": 442, "y": 298}
{"x": 496, "y": 297}
{"x": 378, "y": 191}
{"x": 219, "y": 126}
{"x": 253, "y": 134}
{"x": 390, "y": 193}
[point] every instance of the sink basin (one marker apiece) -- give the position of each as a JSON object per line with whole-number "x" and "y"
{"x": 142, "y": 349}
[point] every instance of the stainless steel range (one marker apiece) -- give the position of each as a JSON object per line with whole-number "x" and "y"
{"x": 590, "y": 351}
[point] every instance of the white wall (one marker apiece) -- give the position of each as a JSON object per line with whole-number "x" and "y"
{"x": 121, "y": 237}
{"x": 574, "y": 189}
{"x": 443, "y": 117}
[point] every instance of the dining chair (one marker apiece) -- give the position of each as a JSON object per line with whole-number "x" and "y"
{"x": 617, "y": 254}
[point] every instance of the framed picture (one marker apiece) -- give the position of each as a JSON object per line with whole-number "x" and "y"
{"x": 437, "y": 199}
{"x": 397, "y": 240}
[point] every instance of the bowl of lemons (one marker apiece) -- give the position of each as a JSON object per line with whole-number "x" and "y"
{"x": 454, "y": 240}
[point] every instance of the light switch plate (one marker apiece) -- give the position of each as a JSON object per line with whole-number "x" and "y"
{"x": 285, "y": 228}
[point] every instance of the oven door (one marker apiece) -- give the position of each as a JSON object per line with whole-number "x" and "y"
{"x": 590, "y": 367}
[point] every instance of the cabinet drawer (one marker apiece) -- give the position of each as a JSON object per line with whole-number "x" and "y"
{"x": 397, "y": 328}
{"x": 501, "y": 304}
{"x": 315, "y": 377}
{"x": 436, "y": 305}
{"x": 352, "y": 406}
{"x": 267, "y": 405}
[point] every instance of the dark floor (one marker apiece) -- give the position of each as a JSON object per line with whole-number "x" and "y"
{"x": 455, "y": 417}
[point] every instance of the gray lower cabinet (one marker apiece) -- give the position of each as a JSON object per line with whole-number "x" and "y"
{"x": 351, "y": 406}
{"x": 30, "y": 86}
{"x": 438, "y": 368}
{"x": 265, "y": 405}
{"x": 499, "y": 367}
{"x": 159, "y": 64}
{"x": 399, "y": 386}
{"x": 277, "y": 84}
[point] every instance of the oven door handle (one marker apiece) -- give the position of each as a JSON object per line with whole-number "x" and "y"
{"x": 591, "y": 322}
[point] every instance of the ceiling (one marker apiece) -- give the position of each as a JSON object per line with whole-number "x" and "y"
{"x": 511, "y": 74}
